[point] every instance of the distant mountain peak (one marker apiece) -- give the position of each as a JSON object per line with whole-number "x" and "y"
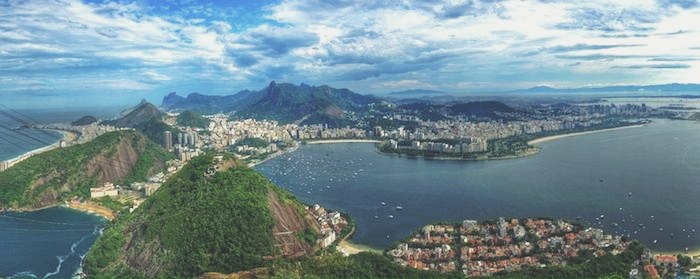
{"x": 143, "y": 112}
{"x": 669, "y": 87}
{"x": 417, "y": 91}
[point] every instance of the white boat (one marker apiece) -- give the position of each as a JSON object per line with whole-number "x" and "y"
{"x": 391, "y": 216}
{"x": 398, "y": 207}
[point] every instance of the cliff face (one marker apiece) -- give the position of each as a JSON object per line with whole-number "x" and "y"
{"x": 60, "y": 174}
{"x": 196, "y": 223}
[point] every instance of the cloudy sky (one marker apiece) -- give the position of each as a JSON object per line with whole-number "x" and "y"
{"x": 112, "y": 51}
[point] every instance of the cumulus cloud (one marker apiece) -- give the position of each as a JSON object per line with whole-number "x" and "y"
{"x": 368, "y": 46}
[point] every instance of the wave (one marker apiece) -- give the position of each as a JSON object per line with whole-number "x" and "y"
{"x": 23, "y": 274}
{"x": 73, "y": 252}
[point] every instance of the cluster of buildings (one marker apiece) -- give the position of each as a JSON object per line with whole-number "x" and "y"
{"x": 487, "y": 248}
{"x": 136, "y": 192}
{"x": 317, "y": 131}
{"x": 481, "y": 132}
{"x": 331, "y": 224}
{"x": 666, "y": 266}
{"x": 474, "y": 146}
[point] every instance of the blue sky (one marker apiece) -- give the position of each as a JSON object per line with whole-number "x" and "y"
{"x": 107, "y": 52}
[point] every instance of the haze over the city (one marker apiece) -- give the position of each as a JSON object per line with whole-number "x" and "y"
{"x": 117, "y": 51}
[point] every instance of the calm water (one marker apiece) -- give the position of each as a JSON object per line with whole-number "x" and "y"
{"x": 585, "y": 176}
{"x": 48, "y": 243}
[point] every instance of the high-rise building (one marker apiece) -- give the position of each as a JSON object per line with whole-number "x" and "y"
{"x": 194, "y": 139}
{"x": 168, "y": 140}
{"x": 179, "y": 138}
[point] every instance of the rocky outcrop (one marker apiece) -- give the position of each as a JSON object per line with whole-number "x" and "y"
{"x": 290, "y": 220}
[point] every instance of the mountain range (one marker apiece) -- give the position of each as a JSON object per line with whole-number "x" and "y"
{"x": 283, "y": 102}
{"x": 416, "y": 92}
{"x": 660, "y": 88}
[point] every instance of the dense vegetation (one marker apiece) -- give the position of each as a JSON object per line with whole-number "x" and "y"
{"x": 154, "y": 129}
{"x": 193, "y": 224}
{"x": 192, "y": 119}
{"x": 66, "y": 168}
{"x": 252, "y": 142}
{"x": 362, "y": 265}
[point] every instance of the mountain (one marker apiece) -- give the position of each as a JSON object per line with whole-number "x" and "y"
{"x": 659, "y": 88}
{"x": 147, "y": 119}
{"x": 416, "y": 92}
{"x": 195, "y": 223}
{"x": 490, "y": 109}
{"x": 695, "y": 116}
{"x": 85, "y": 120}
{"x": 56, "y": 175}
{"x": 143, "y": 112}
{"x": 154, "y": 129}
{"x": 283, "y": 102}
{"x": 191, "y": 119}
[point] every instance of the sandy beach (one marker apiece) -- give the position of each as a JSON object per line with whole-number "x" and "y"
{"x": 343, "y": 141}
{"x": 66, "y": 137}
{"x": 551, "y": 138}
{"x": 93, "y": 208}
{"x": 350, "y": 248}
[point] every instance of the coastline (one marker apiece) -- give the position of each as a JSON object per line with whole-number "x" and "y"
{"x": 274, "y": 155}
{"x": 530, "y": 152}
{"x": 90, "y": 208}
{"x": 66, "y": 136}
{"x": 348, "y": 248}
{"x": 556, "y": 137}
{"x": 343, "y": 141}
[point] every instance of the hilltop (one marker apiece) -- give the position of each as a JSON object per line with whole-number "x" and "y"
{"x": 192, "y": 119}
{"x": 147, "y": 119}
{"x": 283, "y": 102}
{"x": 143, "y": 112}
{"x": 63, "y": 173}
{"x": 85, "y": 120}
{"x": 195, "y": 223}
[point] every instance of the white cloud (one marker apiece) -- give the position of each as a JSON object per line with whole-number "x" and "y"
{"x": 365, "y": 46}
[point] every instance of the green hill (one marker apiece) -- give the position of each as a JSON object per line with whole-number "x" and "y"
{"x": 56, "y": 175}
{"x": 197, "y": 223}
{"x": 154, "y": 129}
{"x": 143, "y": 112}
{"x": 192, "y": 119}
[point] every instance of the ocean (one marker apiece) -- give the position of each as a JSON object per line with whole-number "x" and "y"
{"x": 641, "y": 182}
{"x": 16, "y": 140}
{"x": 48, "y": 243}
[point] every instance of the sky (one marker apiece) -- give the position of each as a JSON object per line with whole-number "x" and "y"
{"x": 91, "y": 53}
